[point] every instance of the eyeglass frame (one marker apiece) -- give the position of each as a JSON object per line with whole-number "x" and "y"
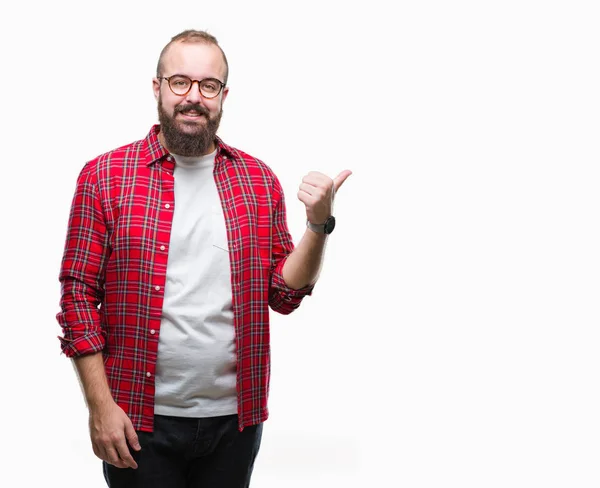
{"x": 192, "y": 81}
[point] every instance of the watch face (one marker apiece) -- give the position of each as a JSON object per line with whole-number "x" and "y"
{"x": 329, "y": 225}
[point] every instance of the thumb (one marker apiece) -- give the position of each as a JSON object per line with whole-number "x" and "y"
{"x": 131, "y": 436}
{"x": 339, "y": 179}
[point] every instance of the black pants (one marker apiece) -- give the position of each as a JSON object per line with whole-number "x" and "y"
{"x": 191, "y": 453}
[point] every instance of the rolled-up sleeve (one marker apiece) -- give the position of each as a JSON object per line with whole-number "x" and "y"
{"x": 282, "y": 299}
{"x": 82, "y": 271}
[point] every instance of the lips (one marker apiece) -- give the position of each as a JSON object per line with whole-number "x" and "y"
{"x": 192, "y": 111}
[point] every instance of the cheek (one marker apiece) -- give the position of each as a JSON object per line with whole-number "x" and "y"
{"x": 167, "y": 103}
{"x": 214, "y": 107}
{"x": 169, "y": 107}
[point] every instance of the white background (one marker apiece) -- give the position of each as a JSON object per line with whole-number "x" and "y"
{"x": 453, "y": 337}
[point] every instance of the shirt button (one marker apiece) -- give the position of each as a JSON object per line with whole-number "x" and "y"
{"x": 152, "y": 331}
{"x": 167, "y": 205}
{"x": 157, "y": 288}
{"x": 148, "y": 374}
{"x": 162, "y": 248}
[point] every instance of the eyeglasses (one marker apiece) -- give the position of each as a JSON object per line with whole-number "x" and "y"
{"x": 181, "y": 85}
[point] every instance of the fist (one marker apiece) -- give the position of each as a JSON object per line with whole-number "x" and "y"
{"x": 317, "y": 192}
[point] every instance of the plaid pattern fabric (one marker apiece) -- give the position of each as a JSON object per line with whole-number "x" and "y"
{"x": 114, "y": 266}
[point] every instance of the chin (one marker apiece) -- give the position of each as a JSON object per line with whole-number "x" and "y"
{"x": 190, "y": 125}
{"x": 199, "y": 124}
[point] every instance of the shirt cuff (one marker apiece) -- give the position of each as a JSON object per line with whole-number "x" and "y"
{"x": 282, "y": 298}
{"x": 86, "y": 344}
{"x": 286, "y": 292}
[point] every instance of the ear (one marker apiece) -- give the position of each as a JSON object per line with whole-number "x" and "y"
{"x": 156, "y": 87}
{"x": 225, "y": 93}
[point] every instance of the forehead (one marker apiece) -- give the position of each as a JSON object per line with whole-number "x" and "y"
{"x": 195, "y": 59}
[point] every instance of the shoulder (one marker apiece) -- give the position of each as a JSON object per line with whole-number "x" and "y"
{"x": 113, "y": 162}
{"x": 254, "y": 166}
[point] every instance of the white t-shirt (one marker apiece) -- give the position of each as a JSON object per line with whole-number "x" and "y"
{"x": 196, "y": 364}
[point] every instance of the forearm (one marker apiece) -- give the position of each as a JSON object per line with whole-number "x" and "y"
{"x": 90, "y": 370}
{"x": 303, "y": 266}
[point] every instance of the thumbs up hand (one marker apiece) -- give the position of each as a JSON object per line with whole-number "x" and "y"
{"x": 317, "y": 192}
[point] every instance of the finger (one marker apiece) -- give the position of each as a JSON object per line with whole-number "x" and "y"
{"x": 316, "y": 174}
{"x": 132, "y": 436}
{"x": 112, "y": 457}
{"x": 315, "y": 191}
{"x": 339, "y": 179}
{"x": 96, "y": 449}
{"x": 125, "y": 454}
{"x": 317, "y": 179}
{"x": 306, "y": 198}
{"x": 310, "y": 189}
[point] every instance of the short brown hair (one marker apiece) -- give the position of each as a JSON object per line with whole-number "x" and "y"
{"x": 191, "y": 35}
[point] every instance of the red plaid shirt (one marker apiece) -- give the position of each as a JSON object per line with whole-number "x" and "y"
{"x": 114, "y": 268}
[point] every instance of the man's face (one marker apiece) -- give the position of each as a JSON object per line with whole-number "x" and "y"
{"x": 189, "y": 123}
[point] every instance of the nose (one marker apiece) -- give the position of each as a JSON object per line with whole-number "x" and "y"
{"x": 194, "y": 94}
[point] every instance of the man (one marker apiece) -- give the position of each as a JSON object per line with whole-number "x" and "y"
{"x": 177, "y": 245}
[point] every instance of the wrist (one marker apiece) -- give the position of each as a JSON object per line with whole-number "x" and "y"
{"x": 322, "y": 228}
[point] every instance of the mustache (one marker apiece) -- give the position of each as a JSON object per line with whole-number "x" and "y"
{"x": 192, "y": 106}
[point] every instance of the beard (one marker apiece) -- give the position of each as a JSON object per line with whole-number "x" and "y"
{"x": 188, "y": 138}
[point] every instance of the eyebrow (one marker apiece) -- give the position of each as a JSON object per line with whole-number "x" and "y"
{"x": 196, "y": 79}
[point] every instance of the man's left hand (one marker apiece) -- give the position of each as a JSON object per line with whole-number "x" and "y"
{"x": 317, "y": 192}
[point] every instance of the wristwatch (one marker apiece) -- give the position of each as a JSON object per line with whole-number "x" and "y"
{"x": 326, "y": 228}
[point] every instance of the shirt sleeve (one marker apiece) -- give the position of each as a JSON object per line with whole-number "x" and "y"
{"x": 82, "y": 272}
{"x": 282, "y": 299}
